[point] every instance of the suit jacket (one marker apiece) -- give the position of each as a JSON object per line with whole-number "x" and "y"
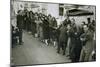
{"x": 63, "y": 34}
{"x": 20, "y": 20}
{"x": 88, "y": 36}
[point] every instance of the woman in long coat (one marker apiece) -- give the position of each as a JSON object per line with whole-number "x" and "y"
{"x": 41, "y": 31}
{"x": 33, "y": 25}
{"x": 63, "y": 38}
{"x": 53, "y": 26}
{"x": 46, "y": 30}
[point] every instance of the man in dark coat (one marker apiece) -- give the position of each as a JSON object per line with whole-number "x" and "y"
{"x": 75, "y": 45}
{"x": 25, "y": 16}
{"x": 13, "y": 36}
{"x": 87, "y": 49}
{"x": 63, "y": 38}
{"x": 20, "y": 25}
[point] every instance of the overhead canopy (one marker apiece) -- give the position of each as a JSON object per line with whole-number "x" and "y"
{"x": 34, "y": 6}
{"x": 31, "y": 6}
{"x": 79, "y": 12}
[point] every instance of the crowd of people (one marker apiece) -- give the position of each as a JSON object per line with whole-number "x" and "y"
{"x": 82, "y": 46}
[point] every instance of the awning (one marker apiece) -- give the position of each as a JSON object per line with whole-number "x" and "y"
{"x": 34, "y": 6}
{"x": 79, "y": 12}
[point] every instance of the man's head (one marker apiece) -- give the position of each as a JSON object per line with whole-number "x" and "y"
{"x": 18, "y": 12}
{"x": 85, "y": 27}
{"x": 49, "y": 16}
{"x": 83, "y": 23}
{"x": 89, "y": 20}
{"x": 67, "y": 17}
{"x": 73, "y": 21}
